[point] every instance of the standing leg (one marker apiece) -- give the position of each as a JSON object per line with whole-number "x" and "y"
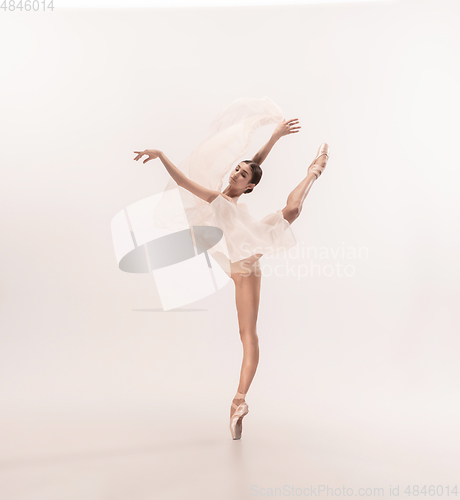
{"x": 294, "y": 203}
{"x": 247, "y": 294}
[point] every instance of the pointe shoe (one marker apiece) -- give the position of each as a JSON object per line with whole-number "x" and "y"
{"x": 236, "y": 420}
{"x": 316, "y": 168}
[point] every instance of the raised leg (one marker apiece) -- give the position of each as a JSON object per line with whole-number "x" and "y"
{"x": 294, "y": 203}
{"x": 296, "y": 198}
{"x": 247, "y": 294}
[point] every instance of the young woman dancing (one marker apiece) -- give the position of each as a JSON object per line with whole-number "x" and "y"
{"x": 245, "y": 272}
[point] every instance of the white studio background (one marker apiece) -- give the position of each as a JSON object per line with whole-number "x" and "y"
{"x": 357, "y": 371}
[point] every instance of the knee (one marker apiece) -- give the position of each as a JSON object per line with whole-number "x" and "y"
{"x": 249, "y": 337}
{"x": 292, "y": 211}
{"x": 295, "y": 209}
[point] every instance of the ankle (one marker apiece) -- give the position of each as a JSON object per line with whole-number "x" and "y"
{"x": 239, "y": 395}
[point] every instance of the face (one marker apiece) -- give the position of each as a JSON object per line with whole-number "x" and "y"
{"x": 241, "y": 176}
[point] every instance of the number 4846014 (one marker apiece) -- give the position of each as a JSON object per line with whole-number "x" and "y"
{"x": 432, "y": 490}
{"x": 27, "y": 5}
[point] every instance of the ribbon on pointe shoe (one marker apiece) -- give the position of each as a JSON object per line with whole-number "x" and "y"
{"x": 239, "y": 395}
{"x": 318, "y": 169}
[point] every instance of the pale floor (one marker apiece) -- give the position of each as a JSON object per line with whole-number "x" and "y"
{"x": 121, "y": 457}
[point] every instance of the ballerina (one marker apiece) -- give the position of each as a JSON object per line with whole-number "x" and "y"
{"x": 245, "y": 272}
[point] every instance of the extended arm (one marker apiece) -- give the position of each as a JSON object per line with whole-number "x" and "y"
{"x": 181, "y": 179}
{"x": 283, "y": 128}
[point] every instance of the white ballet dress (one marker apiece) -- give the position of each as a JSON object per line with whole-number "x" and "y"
{"x": 244, "y": 239}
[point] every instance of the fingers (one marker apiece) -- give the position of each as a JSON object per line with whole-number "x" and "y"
{"x": 292, "y": 129}
{"x": 291, "y": 123}
{"x": 140, "y": 154}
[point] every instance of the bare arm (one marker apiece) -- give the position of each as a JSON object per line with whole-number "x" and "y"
{"x": 181, "y": 179}
{"x": 283, "y": 128}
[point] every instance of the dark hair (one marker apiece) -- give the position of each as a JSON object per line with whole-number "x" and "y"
{"x": 256, "y": 174}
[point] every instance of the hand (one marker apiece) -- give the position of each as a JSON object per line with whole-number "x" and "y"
{"x": 151, "y": 153}
{"x": 286, "y": 127}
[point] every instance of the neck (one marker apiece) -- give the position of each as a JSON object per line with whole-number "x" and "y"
{"x": 229, "y": 192}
